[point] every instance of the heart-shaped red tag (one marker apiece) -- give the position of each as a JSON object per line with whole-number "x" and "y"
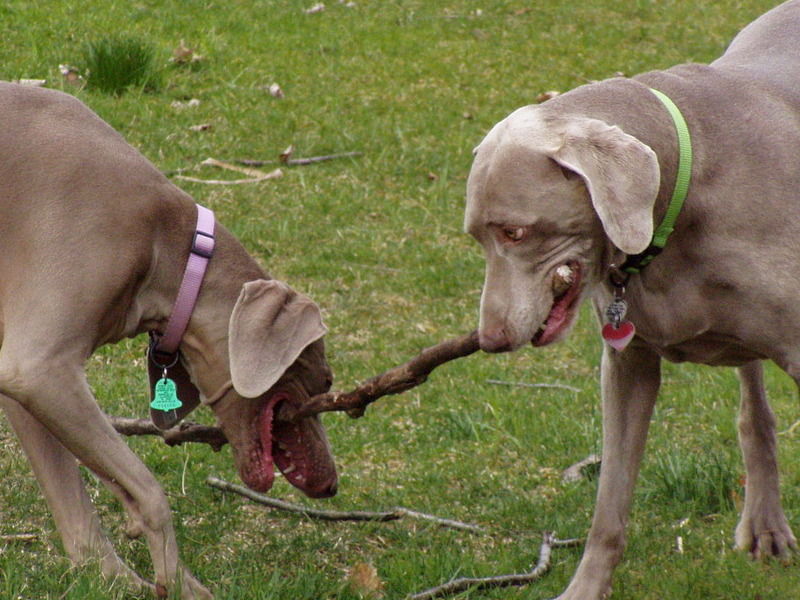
{"x": 619, "y": 337}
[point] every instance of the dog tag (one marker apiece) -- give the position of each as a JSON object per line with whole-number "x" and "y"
{"x": 165, "y": 396}
{"x": 618, "y": 337}
{"x": 618, "y": 333}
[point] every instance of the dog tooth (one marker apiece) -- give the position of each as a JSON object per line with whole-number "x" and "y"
{"x": 290, "y": 469}
{"x": 562, "y": 280}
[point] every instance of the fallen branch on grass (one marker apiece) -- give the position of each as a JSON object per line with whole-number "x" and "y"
{"x": 297, "y": 162}
{"x": 463, "y": 584}
{"x": 335, "y": 515}
{"x": 25, "y": 538}
{"x": 559, "y": 386}
{"x": 254, "y": 175}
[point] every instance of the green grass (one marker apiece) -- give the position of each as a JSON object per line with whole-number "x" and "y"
{"x": 112, "y": 65}
{"x": 376, "y": 240}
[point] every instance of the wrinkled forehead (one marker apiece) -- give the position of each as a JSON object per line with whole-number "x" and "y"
{"x": 512, "y": 175}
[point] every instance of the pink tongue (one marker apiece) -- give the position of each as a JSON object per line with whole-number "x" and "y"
{"x": 259, "y": 474}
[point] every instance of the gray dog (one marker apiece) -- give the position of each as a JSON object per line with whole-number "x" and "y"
{"x": 578, "y": 196}
{"x": 97, "y": 245}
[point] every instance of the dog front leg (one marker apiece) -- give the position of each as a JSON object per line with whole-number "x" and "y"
{"x": 65, "y": 493}
{"x": 763, "y": 528}
{"x": 630, "y": 382}
{"x": 54, "y": 391}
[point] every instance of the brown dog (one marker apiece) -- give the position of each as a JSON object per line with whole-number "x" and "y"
{"x": 94, "y": 241}
{"x": 562, "y": 194}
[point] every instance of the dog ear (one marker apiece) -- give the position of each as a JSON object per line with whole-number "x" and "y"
{"x": 270, "y": 326}
{"x": 621, "y": 174}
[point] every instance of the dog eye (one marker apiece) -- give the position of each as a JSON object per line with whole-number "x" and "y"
{"x": 513, "y": 234}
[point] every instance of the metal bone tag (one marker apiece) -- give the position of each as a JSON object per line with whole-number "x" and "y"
{"x": 616, "y": 311}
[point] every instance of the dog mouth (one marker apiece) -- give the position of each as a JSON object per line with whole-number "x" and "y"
{"x": 299, "y": 450}
{"x": 566, "y": 287}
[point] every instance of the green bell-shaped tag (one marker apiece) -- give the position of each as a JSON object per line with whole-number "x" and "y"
{"x": 166, "y": 396}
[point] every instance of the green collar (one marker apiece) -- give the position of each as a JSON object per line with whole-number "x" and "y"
{"x": 637, "y": 262}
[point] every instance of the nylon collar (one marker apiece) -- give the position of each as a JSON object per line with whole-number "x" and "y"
{"x": 637, "y": 262}
{"x": 202, "y": 248}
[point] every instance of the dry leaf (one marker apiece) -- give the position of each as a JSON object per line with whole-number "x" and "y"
{"x": 201, "y": 127}
{"x": 275, "y": 91}
{"x": 71, "y": 75}
{"x": 183, "y": 54}
{"x": 317, "y": 8}
{"x": 286, "y": 154}
{"x": 547, "y": 95}
{"x": 363, "y": 579}
{"x": 193, "y": 103}
{"x": 579, "y": 470}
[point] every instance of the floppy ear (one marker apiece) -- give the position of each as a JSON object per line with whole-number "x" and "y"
{"x": 270, "y": 326}
{"x": 622, "y": 176}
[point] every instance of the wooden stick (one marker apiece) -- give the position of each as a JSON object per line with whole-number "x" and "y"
{"x": 25, "y": 538}
{"x": 335, "y": 515}
{"x": 560, "y": 386}
{"x": 394, "y": 381}
{"x": 355, "y": 402}
{"x": 463, "y": 584}
{"x": 298, "y": 162}
{"x": 271, "y": 175}
{"x": 184, "y": 432}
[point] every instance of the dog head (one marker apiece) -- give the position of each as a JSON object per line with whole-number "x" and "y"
{"x": 546, "y": 197}
{"x": 277, "y": 355}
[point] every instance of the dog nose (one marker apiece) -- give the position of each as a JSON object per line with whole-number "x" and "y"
{"x": 327, "y": 491}
{"x": 494, "y": 340}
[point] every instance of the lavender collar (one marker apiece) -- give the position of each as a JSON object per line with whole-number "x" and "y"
{"x": 202, "y": 249}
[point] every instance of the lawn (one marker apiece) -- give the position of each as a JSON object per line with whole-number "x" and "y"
{"x": 376, "y": 239}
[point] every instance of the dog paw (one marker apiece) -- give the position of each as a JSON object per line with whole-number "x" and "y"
{"x": 765, "y": 534}
{"x": 578, "y": 592}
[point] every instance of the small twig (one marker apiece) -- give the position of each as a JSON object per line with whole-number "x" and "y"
{"x": 791, "y": 429}
{"x": 394, "y": 381}
{"x": 184, "y": 432}
{"x": 255, "y": 173}
{"x": 335, "y": 515}
{"x": 560, "y": 386}
{"x": 271, "y": 175}
{"x": 463, "y": 584}
{"x": 297, "y": 162}
{"x": 376, "y": 267}
{"x": 25, "y": 538}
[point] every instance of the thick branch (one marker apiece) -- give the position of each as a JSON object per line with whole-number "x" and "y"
{"x": 394, "y": 381}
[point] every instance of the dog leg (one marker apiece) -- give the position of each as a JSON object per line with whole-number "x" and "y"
{"x": 763, "y": 529}
{"x": 54, "y": 392}
{"x": 630, "y": 382}
{"x": 63, "y": 488}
